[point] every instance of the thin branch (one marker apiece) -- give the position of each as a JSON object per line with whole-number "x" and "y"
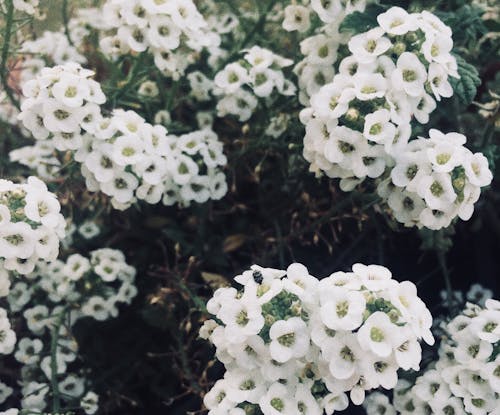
{"x": 9, "y": 17}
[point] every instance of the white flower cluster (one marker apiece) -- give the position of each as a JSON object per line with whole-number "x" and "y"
{"x": 122, "y": 155}
{"x": 34, "y": 354}
{"x": 466, "y": 377}
{"x": 8, "y": 336}
{"x": 434, "y": 180}
{"x": 129, "y": 159}
{"x": 53, "y": 46}
{"x": 261, "y": 70}
{"x": 163, "y": 28}
{"x": 297, "y": 16}
{"x": 294, "y": 344}
{"x": 58, "y": 295}
{"x": 60, "y": 103}
{"x": 363, "y": 116}
{"x": 358, "y": 126}
{"x": 31, "y": 225}
{"x": 94, "y": 287}
{"x": 38, "y": 157}
{"x": 30, "y": 7}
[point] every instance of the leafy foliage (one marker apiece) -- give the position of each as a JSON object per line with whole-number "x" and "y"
{"x": 466, "y": 86}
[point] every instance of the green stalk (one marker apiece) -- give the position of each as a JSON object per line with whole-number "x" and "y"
{"x": 447, "y": 280}
{"x": 65, "y": 18}
{"x": 9, "y": 17}
{"x": 56, "y": 397}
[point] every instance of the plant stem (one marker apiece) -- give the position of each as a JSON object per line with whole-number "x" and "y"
{"x": 5, "y": 52}
{"x": 56, "y": 398}
{"x": 446, "y": 274}
{"x": 65, "y": 18}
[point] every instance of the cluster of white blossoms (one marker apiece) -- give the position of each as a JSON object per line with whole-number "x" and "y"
{"x": 261, "y": 71}
{"x": 294, "y": 344}
{"x": 38, "y": 157}
{"x": 130, "y": 159}
{"x": 94, "y": 287}
{"x": 363, "y": 116}
{"x": 434, "y": 180}
{"x": 55, "y": 47}
{"x": 466, "y": 377}
{"x": 62, "y": 104}
{"x": 297, "y": 16}
{"x": 358, "y": 125}
{"x": 164, "y": 28}
{"x": 31, "y": 225}
{"x": 321, "y": 48}
{"x": 8, "y": 336}
{"x": 33, "y": 352}
{"x": 57, "y": 295}
{"x": 31, "y": 7}
{"x": 121, "y": 155}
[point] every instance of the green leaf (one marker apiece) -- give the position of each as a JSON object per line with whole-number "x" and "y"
{"x": 359, "y": 22}
{"x": 466, "y": 87}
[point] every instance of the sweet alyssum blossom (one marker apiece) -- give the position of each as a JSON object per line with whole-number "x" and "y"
{"x": 62, "y": 102}
{"x": 130, "y": 159}
{"x": 261, "y": 72}
{"x": 465, "y": 377}
{"x": 436, "y": 179}
{"x": 290, "y": 342}
{"x": 60, "y": 294}
{"x": 31, "y": 224}
{"x": 170, "y": 31}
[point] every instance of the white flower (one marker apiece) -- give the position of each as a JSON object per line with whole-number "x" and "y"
{"x": 242, "y": 317}
{"x": 127, "y": 150}
{"x": 231, "y": 78}
{"x": 296, "y": 18}
{"x": 445, "y": 157}
{"x": 8, "y": 336}
{"x": 69, "y": 90}
{"x": 396, "y": 21}
{"x": 76, "y": 267}
{"x": 409, "y": 75}
{"x": 97, "y": 307}
{"x": 343, "y": 310}
{"x": 218, "y": 397}
{"x": 369, "y": 86}
{"x": 377, "y": 334}
{"x": 378, "y": 128}
{"x": 367, "y": 46}
{"x": 289, "y": 339}
{"x": 278, "y": 401}
{"x": 344, "y": 355}
{"x": 477, "y": 170}
{"x": 89, "y": 402}
{"x": 244, "y": 386}
{"x": 16, "y": 240}
{"x": 437, "y": 190}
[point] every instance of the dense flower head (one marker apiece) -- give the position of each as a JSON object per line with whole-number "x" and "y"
{"x": 261, "y": 72}
{"x": 290, "y": 341}
{"x": 465, "y": 378}
{"x": 130, "y": 159}
{"x": 435, "y": 180}
{"x": 62, "y": 104}
{"x": 169, "y": 30}
{"x": 48, "y": 302}
{"x": 94, "y": 286}
{"x": 31, "y": 224}
{"x": 361, "y": 119}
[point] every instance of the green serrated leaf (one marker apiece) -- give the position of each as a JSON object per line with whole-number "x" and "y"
{"x": 359, "y": 22}
{"x": 465, "y": 87}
